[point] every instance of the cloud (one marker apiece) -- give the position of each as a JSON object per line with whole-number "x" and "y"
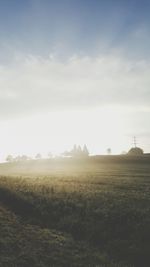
{"x": 35, "y": 84}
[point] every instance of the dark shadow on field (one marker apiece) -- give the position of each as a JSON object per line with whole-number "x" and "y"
{"x": 19, "y": 205}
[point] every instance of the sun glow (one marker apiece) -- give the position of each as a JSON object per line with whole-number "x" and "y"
{"x": 57, "y": 132}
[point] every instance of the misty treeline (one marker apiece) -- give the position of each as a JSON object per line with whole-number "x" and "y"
{"x": 10, "y": 158}
{"x": 77, "y": 151}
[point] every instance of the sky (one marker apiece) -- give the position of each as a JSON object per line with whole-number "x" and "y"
{"x": 74, "y": 72}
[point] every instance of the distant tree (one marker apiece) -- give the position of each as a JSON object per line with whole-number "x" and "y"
{"x": 85, "y": 151}
{"x": 77, "y": 152}
{"x": 74, "y": 151}
{"x": 108, "y": 151}
{"x": 9, "y": 158}
{"x": 24, "y": 158}
{"x": 18, "y": 158}
{"x": 75, "y": 148}
{"x": 79, "y": 149}
{"x": 38, "y": 156}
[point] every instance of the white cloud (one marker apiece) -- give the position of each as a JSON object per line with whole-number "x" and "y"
{"x": 32, "y": 84}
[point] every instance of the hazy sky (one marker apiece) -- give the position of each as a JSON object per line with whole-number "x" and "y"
{"x": 74, "y": 71}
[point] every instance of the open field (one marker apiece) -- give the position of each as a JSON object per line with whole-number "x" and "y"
{"x": 70, "y": 214}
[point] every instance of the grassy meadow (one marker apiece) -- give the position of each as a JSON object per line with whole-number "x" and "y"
{"x": 91, "y": 213}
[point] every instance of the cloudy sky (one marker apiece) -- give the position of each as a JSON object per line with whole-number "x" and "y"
{"x": 74, "y": 71}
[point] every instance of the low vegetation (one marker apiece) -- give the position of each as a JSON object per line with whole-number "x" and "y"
{"x": 90, "y": 215}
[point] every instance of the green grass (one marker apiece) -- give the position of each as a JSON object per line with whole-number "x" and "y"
{"x": 88, "y": 215}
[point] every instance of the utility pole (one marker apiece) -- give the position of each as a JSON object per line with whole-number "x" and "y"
{"x": 134, "y": 141}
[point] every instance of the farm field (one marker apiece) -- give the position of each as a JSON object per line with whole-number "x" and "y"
{"x": 89, "y": 214}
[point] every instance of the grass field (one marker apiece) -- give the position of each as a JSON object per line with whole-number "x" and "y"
{"x": 89, "y": 214}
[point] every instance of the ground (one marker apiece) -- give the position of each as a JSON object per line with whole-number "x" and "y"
{"x": 75, "y": 214}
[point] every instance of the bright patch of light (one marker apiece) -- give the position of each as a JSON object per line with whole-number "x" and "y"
{"x": 57, "y": 132}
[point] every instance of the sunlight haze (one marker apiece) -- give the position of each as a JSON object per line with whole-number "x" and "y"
{"x": 73, "y": 72}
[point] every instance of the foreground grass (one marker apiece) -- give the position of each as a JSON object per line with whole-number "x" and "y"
{"x": 94, "y": 216}
{"x": 30, "y": 245}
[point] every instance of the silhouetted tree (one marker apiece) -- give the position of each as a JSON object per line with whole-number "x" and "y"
{"x": 18, "y": 158}
{"x": 77, "y": 151}
{"x": 21, "y": 158}
{"x": 38, "y": 156}
{"x": 85, "y": 151}
{"x": 108, "y": 151}
{"x": 9, "y": 158}
{"x": 75, "y": 148}
{"x": 24, "y": 158}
